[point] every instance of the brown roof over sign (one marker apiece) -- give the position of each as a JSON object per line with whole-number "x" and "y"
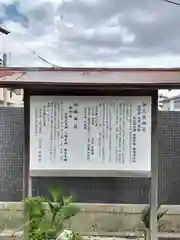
{"x": 127, "y": 77}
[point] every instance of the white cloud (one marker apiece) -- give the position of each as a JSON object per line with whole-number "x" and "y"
{"x": 26, "y": 6}
{"x": 144, "y": 16}
{"x": 93, "y": 33}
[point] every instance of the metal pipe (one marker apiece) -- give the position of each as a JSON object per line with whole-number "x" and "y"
{"x": 154, "y": 169}
{"x": 5, "y": 92}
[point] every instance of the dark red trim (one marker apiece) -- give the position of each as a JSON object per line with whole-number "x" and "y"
{"x": 50, "y": 85}
{"x": 92, "y": 69}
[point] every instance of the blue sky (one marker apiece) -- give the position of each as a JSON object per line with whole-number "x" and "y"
{"x": 11, "y": 12}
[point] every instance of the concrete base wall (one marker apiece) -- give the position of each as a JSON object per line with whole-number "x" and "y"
{"x": 101, "y": 218}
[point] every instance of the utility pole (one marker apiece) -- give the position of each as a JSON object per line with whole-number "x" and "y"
{"x": 5, "y": 89}
{"x": 4, "y": 64}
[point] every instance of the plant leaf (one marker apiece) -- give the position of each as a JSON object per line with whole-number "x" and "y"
{"x": 67, "y": 200}
{"x": 69, "y": 211}
{"x": 160, "y": 215}
{"x": 56, "y": 193}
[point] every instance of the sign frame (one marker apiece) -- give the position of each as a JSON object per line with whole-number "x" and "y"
{"x": 91, "y": 171}
{"x": 76, "y": 91}
{"x": 94, "y": 91}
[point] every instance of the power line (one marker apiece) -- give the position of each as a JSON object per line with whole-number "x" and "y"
{"x": 6, "y": 32}
{"x": 175, "y": 3}
{"x": 43, "y": 59}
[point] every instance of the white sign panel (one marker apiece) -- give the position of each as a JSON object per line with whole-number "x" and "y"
{"x": 89, "y": 134}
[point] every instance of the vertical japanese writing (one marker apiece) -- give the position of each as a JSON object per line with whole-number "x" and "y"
{"x": 75, "y": 115}
{"x": 88, "y": 130}
{"x": 65, "y": 147}
{"x": 106, "y": 121}
{"x": 61, "y": 131}
{"x": 92, "y": 116}
{"x": 96, "y": 116}
{"x": 51, "y": 130}
{"x": 144, "y": 119}
{"x": 120, "y": 134}
{"x": 139, "y": 117}
{"x": 66, "y": 121}
{"x": 100, "y": 130}
{"x": 65, "y": 136}
{"x": 36, "y": 121}
{"x": 123, "y": 131}
{"x": 44, "y": 115}
{"x": 92, "y": 126}
{"x": 117, "y": 131}
{"x": 58, "y": 132}
{"x": 103, "y": 131}
{"x": 70, "y": 111}
{"x": 40, "y": 150}
{"x": 55, "y": 130}
{"x": 85, "y": 118}
{"x": 130, "y": 131}
{"x": 40, "y": 121}
{"x": 92, "y": 146}
{"x": 39, "y": 131}
{"x": 134, "y": 139}
{"x": 48, "y": 113}
{"x": 110, "y": 132}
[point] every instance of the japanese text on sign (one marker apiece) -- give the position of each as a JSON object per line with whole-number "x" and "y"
{"x": 83, "y": 132}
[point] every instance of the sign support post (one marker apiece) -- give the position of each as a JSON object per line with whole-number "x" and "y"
{"x": 154, "y": 169}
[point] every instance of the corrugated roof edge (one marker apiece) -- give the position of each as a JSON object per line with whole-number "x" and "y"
{"x": 25, "y": 77}
{"x": 79, "y": 69}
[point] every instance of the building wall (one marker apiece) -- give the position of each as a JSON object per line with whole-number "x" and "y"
{"x": 11, "y": 153}
{"x": 171, "y": 105}
{"x": 105, "y": 190}
{"x": 166, "y": 106}
{"x": 13, "y": 99}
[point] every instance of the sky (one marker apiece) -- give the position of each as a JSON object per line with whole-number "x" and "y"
{"x": 107, "y": 33}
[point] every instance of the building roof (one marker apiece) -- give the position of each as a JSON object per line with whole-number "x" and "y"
{"x": 125, "y": 77}
{"x": 4, "y": 31}
{"x": 170, "y": 98}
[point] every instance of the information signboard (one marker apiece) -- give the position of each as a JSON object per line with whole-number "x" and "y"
{"x": 89, "y": 135}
